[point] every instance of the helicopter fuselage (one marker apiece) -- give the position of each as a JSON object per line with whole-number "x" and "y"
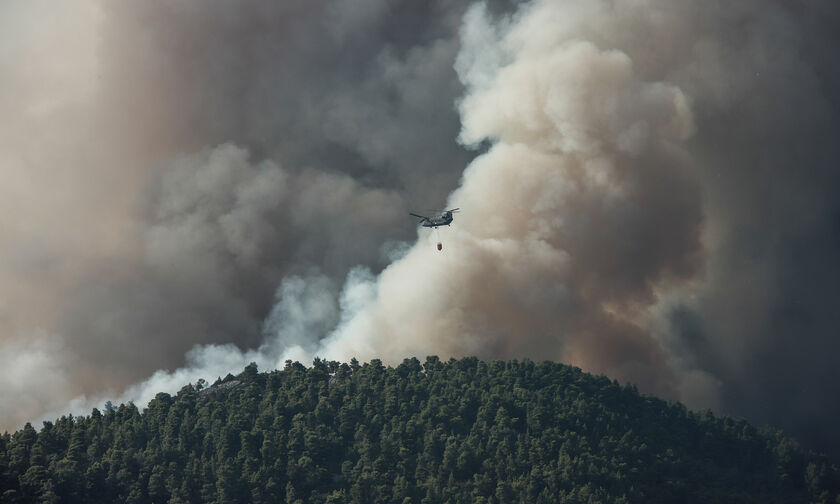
{"x": 440, "y": 219}
{"x": 444, "y": 219}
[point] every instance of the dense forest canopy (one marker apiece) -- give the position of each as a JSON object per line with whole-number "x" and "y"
{"x": 462, "y": 431}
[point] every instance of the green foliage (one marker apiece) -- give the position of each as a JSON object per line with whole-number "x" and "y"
{"x": 462, "y": 431}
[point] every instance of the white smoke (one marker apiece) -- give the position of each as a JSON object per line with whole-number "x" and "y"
{"x": 306, "y": 309}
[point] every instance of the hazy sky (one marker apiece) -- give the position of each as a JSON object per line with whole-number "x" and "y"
{"x": 648, "y": 190}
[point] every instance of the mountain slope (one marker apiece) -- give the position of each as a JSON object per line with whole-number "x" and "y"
{"x": 459, "y": 431}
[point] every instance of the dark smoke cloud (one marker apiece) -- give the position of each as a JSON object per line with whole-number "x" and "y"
{"x": 649, "y": 193}
{"x": 223, "y": 235}
{"x": 169, "y": 165}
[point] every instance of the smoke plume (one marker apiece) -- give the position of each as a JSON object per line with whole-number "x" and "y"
{"x": 647, "y": 191}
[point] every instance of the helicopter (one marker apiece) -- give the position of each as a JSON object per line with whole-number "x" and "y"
{"x": 443, "y": 218}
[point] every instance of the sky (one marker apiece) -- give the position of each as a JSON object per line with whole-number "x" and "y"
{"x": 647, "y": 190}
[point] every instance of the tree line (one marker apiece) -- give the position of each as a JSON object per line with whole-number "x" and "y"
{"x": 462, "y": 431}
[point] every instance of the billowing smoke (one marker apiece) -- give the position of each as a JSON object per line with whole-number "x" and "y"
{"x": 646, "y": 191}
{"x": 166, "y": 167}
{"x": 581, "y": 208}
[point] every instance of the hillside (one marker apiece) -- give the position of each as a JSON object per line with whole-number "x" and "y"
{"x": 462, "y": 431}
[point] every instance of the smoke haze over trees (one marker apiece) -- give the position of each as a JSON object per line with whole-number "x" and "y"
{"x": 648, "y": 191}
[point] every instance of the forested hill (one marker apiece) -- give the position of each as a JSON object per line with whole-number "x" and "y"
{"x": 462, "y": 431}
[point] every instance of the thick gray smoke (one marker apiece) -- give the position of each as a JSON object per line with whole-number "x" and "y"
{"x": 166, "y": 167}
{"x": 647, "y": 192}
